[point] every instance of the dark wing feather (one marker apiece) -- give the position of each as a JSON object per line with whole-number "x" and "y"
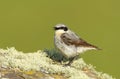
{"x": 72, "y": 39}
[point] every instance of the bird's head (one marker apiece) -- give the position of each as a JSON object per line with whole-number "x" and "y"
{"x": 60, "y": 29}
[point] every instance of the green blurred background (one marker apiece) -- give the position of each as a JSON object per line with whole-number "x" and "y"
{"x": 27, "y": 25}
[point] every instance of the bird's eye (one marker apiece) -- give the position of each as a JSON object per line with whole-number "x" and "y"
{"x": 65, "y": 28}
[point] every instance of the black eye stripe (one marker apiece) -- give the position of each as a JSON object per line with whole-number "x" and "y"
{"x": 64, "y": 28}
{"x": 56, "y": 28}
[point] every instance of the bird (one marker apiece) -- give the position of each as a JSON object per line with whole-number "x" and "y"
{"x": 69, "y": 43}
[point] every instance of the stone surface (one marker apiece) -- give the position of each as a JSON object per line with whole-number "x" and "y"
{"x": 46, "y": 64}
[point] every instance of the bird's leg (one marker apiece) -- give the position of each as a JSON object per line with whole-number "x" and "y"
{"x": 70, "y": 61}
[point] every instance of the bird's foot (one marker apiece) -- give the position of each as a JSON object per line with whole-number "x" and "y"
{"x": 65, "y": 65}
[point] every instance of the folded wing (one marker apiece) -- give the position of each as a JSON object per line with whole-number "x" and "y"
{"x": 73, "y": 39}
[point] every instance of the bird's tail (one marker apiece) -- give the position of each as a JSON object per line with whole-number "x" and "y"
{"x": 96, "y": 48}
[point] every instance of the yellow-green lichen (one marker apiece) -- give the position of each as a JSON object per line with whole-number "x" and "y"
{"x": 47, "y": 62}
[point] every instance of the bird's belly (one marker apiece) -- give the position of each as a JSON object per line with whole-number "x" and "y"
{"x": 67, "y": 51}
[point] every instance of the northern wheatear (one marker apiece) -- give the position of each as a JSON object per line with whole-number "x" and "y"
{"x": 69, "y": 44}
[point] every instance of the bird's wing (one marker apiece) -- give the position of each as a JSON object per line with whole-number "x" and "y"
{"x": 73, "y": 39}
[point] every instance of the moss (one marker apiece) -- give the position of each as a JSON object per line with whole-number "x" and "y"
{"x": 48, "y": 62}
